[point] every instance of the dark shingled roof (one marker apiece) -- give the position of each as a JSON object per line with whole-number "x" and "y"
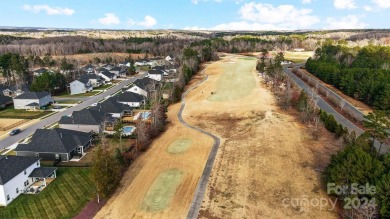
{"x": 84, "y": 117}
{"x": 144, "y": 82}
{"x": 55, "y": 141}
{"x": 155, "y": 72}
{"x": 11, "y": 166}
{"x": 86, "y": 77}
{"x": 3, "y": 87}
{"x": 129, "y": 97}
{"x": 108, "y": 74}
{"x": 23, "y": 87}
{"x": 42, "y": 172}
{"x": 32, "y": 95}
{"x": 40, "y": 70}
{"x": 4, "y": 99}
{"x": 111, "y": 106}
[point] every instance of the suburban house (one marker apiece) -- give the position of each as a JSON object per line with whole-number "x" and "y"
{"x": 80, "y": 86}
{"x": 169, "y": 58}
{"x": 55, "y": 144}
{"x": 142, "y": 86}
{"x": 32, "y": 100}
{"x": 131, "y": 99}
{"x": 5, "y": 101}
{"x": 88, "y": 68}
{"x": 39, "y": 71}
{"x": 116, "y": 71}
{"x": 107, "y": 76}
{"x": 15, "y": 90}
{"x": 107, "y": 66}
{"x": 124, "y": 63}
{"x": 94, "y": 79}
{"x": 157, "y": 74}
{"x": 114, "y": 108}
{"x": 19, "y": 174}
{"x": 85, "y": 120}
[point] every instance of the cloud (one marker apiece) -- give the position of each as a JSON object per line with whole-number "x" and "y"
{"x": 367, "y": 8}
{"x": 281, "y": 17}
{"x": 382, "y": 3}
{"x": 344, "y": 4}
{"x": 306, "y": 1}
{"x": 49, "y": 10}
{"x": 109, "y": 19}
{"x": 347, "y": 22}
{"x": 148, "y": 22}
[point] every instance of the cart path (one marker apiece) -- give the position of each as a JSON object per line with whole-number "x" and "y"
{"x": 204, "y": 178}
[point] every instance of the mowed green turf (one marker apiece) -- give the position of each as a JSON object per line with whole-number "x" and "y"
{"x": 179, "y": 146}
{"x": 162, "y": 190}
{"x": 237, "y": 81}
{"x": 63, "y": 198}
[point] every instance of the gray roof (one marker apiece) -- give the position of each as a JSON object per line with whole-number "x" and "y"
{"x": 111, "y": 106}
{"x": 41, "y": 70}
{"x": 129, "y": 97}
{"x": 32, "y": 95}
{"x": 55, "y": 141}
{"x": 144, "y": 82}
{"x": 86, "y": 77}
{"x": 3, "y": 87}
{"x": 11, "y": 166}
{"x": 116, "y": 69}
{"x": 155, "y": 72}
{"x": 32, "y": 104}
{"x": 42, "y": 172}
{"x": 108, "y": 74}
{"x": 4, "y": 99}
{"x": 84, "y": 117}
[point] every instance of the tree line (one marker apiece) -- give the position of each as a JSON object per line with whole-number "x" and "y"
{"x": 362, "y": 73}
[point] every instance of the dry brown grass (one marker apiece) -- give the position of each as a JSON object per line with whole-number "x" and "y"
{"x": 127, "y": 201}
{"x": 266, "y": 155}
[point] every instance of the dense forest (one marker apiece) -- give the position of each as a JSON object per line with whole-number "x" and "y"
{"x": 362, "y": 73}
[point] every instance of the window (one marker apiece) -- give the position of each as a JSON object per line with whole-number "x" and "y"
{"x": 8, "y": 198}
{"x": 37, "y": 155}
{"x": 17, "y": 190}
{"x": 37, "y": 163}
{"x": 25, "y": 172}
{"x": 26, "y": 183}
{"x": 57, "y": 156}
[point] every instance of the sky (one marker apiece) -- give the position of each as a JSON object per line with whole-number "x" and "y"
{"x": 197, "y": 14}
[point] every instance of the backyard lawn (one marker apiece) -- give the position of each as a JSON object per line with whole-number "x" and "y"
{"x": 10, "y": 112}
{"x": 66, "y": 94}
{"x": 63, "y": 198}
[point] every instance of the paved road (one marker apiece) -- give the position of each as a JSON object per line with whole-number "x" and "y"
{"x": 10, "y": 140}
{"x": 204, "y": 179}
{"x": 70, "y": 98}
{"x": 322, "y": 104}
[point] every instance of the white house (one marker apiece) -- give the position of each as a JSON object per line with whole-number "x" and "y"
{"x": 131, "y": 99}
{"x": 32, "y": 100}
{"x": 107, "y": 76}
{"x": 18, "y": 174}
{"x": 80, "y": 86}
{"x": 142, "y": 86}
{"x": 168, "y": 58}
{"x": 94, "y": 79}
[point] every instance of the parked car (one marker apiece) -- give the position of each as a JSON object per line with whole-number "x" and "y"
{"x": 14, "y": 132}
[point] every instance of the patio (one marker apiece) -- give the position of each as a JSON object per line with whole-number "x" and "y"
{"x": 41, "y": 176}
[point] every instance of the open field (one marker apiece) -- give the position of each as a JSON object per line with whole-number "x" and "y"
{"x": 21, "y": 114}
{"x": 63, "y": 198}
{"x": 297, "y": 56}
{"x": 161, "y": 184}
{"x": 266, "y": 155}
{"x": 9, "y": 122}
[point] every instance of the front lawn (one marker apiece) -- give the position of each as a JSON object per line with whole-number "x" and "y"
{"x": 65, "y": 94}
{"x": 65, "y": 197}
{"x": 104, "y": 86}
{"x": 12, "y": 113}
